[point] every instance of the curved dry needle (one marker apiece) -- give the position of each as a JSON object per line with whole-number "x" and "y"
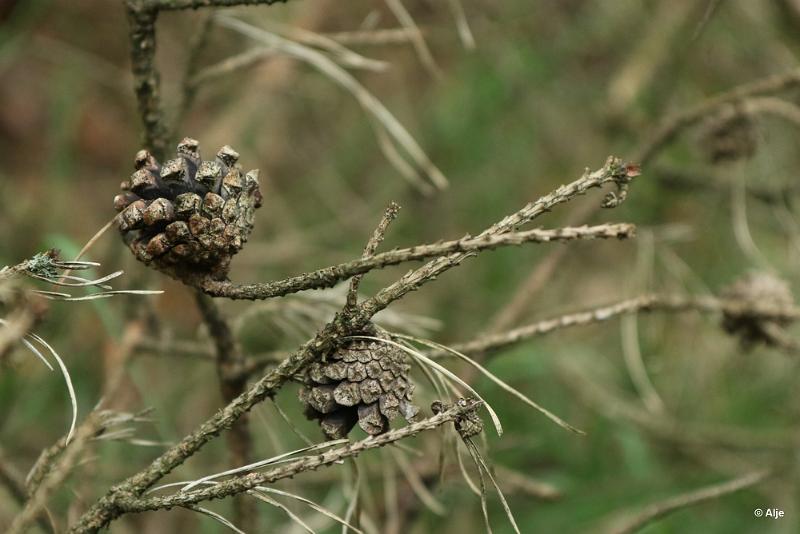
{"x": 465, "y": 473}
{"x": 482, "y": 492}
{"x": 74, "y": 265}
{"x": 31, "y": 347}
{"x": 435, "y": 380}
{"x": 353, "y": 504}
{"x": 544, "y": 411}
{"x": 52, "y": 295}
{"x": 37, "y": 353}
{"x": 80, "y": 282}
{"x": 316, "y": 506}
{"x": 80, "y": 279}
{"x": 107, "y": 294}
{"x": 476, "y": 456}
{"x": 261, "y": 463}
{"x": 71, "y": 390}
{"x": 217, "y": 517}
{"x": 269, "y": 500}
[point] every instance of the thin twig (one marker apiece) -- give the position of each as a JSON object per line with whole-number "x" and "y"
{"x": 369, "y": 250}
{"x": 660, "y": 509}
{"x": 674, "y": 124}
{"x": 643, "y": 303}
{"x": 407, "y": 21}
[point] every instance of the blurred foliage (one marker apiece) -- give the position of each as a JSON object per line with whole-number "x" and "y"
{"x": 529, "y": 109}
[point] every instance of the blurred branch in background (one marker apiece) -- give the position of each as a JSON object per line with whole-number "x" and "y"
{"x": 672, "y": 125}
{"x": 660, "y": 509}
{"x": 232, "y": 380}
{"x": 646, "y": 303}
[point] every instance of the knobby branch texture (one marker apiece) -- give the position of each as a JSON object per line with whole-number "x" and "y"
{"x": 241, "y": 484}
{"x": 330, "y": 276}
{"x": 345, "y": 323}
{"x": 643, "y": 303}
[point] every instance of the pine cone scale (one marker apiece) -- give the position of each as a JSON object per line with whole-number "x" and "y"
{"x": 362, "y": 382}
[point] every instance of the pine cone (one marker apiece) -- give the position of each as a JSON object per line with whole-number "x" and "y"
{"x": 188, "y": 217}
{"x": 364, "y": 382}
{"x": 729, "y": 137}
{"x": 756, "y": 287}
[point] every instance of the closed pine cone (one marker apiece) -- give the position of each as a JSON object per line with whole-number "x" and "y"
{"x": 364, "y": 382}
{"x": 757, "y": 288}
{"x": 188, "y": 217}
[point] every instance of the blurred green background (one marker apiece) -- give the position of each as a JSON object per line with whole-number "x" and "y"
{"x": 550, "y": 89}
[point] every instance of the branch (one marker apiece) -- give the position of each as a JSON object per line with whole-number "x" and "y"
{"x": 171, "y": 5}
{"x": 660, "y": 509}
{"x": 232, "y": 380}
{"x": 188, "y": 88}
{"x": 345, "y": 323}
{"x": 644, "y": 303}
{"x": 39, "y": 494}
{"x": 372, "y": 245}
{"x": 699, "y": 180}
{"x": 614, "y": 171}
{"x": 146, "y": 79}
{"x": 673, "y": 124}
{"x": 330, "y": 276}
{"x": 14, "y": 482}
{"x": 242, "y": 484}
